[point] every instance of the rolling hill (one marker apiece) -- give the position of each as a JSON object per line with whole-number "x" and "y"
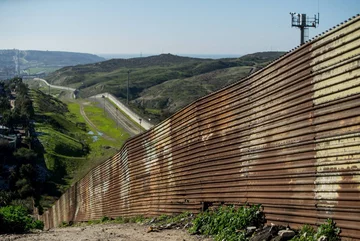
{"x": 20, "y": 62}
{"x": 159, "y": 85}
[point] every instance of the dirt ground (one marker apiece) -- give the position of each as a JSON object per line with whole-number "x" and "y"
{"x": 111, "y": 232}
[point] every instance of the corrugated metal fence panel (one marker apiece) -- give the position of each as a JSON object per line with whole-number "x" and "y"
{"x": 287, "y": 137}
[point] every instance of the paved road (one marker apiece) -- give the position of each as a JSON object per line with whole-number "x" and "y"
{"x": 145, "y": 124}
{"x": 121, "y": 120}
{"x": 57, "y": 86}
{"x": 117, "y": 115}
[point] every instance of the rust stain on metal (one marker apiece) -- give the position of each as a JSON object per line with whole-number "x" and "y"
{"x": 286, "y": 137}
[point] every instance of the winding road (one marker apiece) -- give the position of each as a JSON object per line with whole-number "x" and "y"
{"x": 129, "y": 121}
{"x": 57, "y": 86}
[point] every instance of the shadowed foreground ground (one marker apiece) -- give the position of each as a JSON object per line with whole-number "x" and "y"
{"x": 118, "y": 232}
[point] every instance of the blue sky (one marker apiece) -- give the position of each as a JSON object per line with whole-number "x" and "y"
{"x": 162, "y": 26}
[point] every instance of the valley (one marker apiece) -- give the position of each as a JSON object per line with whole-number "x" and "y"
{"x": 159, "y": 85}
{"x": 77, "y": 133}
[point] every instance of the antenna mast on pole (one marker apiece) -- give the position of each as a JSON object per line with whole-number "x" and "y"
{"x": 304, "y": 23}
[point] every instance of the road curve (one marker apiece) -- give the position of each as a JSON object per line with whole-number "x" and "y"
{"x": 57, "y": 86}
{"x": 144, "y": 123}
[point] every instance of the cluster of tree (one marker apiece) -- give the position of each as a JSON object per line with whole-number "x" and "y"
{"x": 19, "y": 175}
{"x": 23, "y": 109}
{"x": 18, "y": 167}
{"x": 4, "y": 98}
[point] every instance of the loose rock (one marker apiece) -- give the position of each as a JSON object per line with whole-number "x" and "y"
{"x": 288, "y": 233}
{"x": 323, "y": 238}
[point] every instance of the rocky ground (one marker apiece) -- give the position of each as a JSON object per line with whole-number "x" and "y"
{"x": 111, "y": 232}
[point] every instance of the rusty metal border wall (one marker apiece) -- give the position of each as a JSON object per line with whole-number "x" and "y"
{"x": 288, "y": 137}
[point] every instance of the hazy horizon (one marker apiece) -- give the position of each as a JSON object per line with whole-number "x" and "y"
{"x": 194, "y": 27}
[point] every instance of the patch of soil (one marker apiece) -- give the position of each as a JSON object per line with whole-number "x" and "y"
{"x": 111, "y": 232}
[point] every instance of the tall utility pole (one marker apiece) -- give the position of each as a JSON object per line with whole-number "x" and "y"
{"x": 127, "y": 95}
{"x": 104, "y": 104}
{"x": 117, "y": 118}
{"x": 303, "y": 23}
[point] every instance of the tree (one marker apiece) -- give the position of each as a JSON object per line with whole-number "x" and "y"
{"x": 25, "y": 156}
{"x": 4, "y": 104}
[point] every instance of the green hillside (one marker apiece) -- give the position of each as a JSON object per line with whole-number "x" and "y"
{"x": 57, "y": 58}
{"x": 156, "y": 81}
{"x": 160, "y": 101}
{"x": 71, "y": 146}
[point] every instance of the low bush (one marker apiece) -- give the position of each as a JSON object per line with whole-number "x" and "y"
{"x": 228, "y": 222}
{"x": 16, "y": 219}
{"x": 104, "y": 219}
{"x": 327, "y": 230}
{"x": 174, "y": 219}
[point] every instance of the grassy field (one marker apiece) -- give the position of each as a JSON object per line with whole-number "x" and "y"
{"x": 104, "y": 124}
{"x": 123, "y": 113}
{"x": 71, "y": 146}
{"x": 101, "y": 148}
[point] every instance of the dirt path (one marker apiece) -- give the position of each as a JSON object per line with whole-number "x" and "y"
{"x": 111, "y": 232}
{"x": 82, "y": 112}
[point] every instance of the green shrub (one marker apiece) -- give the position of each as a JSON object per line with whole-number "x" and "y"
{"x": 15, "y": 219}
{"x": 26, "y": 203}
{"x": 228, "y": 223}
{"x": 64, "y": 224}
{"x": 122, "y": 220}
{"x": 104, "y": 219}
{"x": 185, "y": 216}
{"x": 327, "y": 229}
{"x": 91, "y": 222}
{"x": 137, "y": 219}
{"x": 37, "y": 224}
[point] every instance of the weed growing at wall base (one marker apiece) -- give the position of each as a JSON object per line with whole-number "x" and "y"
{"x": 228, "y": 222}
{"x": 326, "y": 231}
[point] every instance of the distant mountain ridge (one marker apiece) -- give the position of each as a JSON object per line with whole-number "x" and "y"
{"x": 60, "y": 58}
{"x": 21, "y": 62}
{"x": 201, "y": 56}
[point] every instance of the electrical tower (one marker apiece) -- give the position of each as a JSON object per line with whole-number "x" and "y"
{"x": 303, "y": 23}
{"x": 127, "y": 94}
